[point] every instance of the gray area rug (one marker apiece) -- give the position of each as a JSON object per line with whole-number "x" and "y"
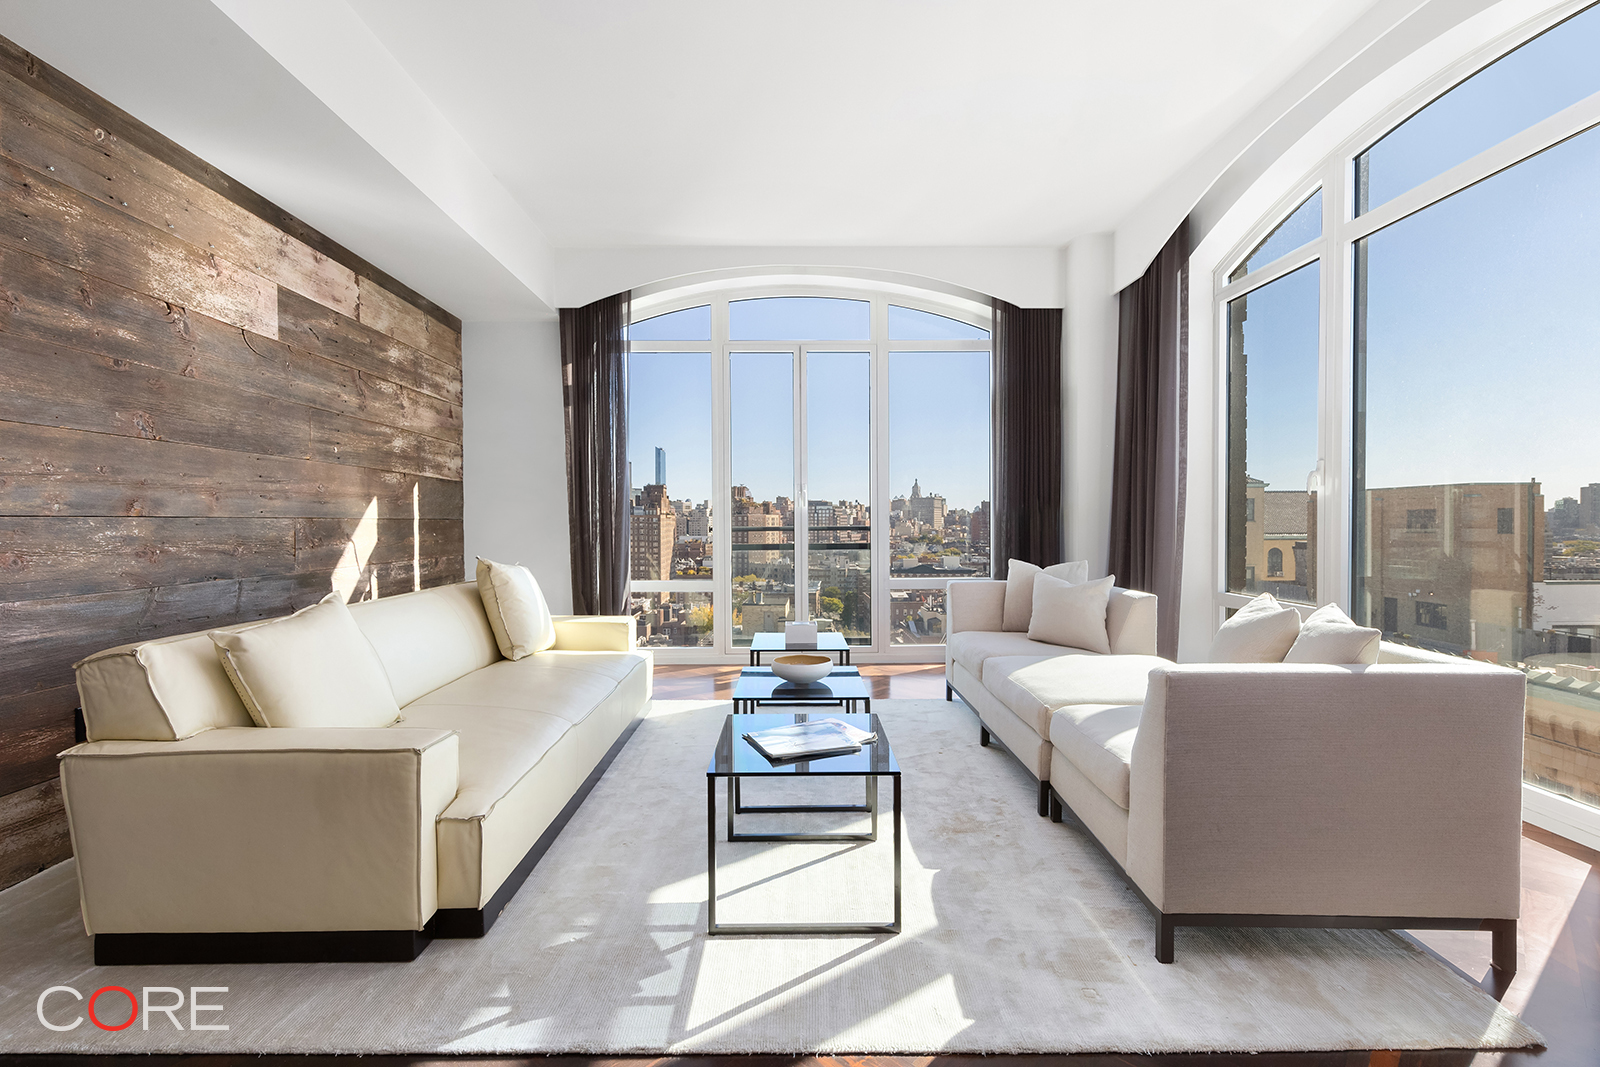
{"x": 1018, "y": 938}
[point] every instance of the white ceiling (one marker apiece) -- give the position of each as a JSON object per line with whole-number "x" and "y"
{"x": 837, "y": 122}
{"x": 464, "y": 145}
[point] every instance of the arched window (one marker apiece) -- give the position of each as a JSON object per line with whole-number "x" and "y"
{"x": 806, "y": 452}
{"x": 1274, "y": 563}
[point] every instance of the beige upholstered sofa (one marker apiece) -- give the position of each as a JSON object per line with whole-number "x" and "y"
{"x": 200, "y": 836}
{"x": 1266, "y": 794}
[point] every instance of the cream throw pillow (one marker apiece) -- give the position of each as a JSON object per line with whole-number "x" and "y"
{"x": 1260, "y": 632}
{"x": 314, "y": 668}
{"x": 517, "y": 612}
{"x": 1071, "y": 615}
{"x": 1331, "y": 636}
{"x": 1019, "y": 588}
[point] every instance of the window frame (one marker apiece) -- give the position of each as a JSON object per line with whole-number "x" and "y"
{"x": 718, "y": 291}
{"x": 1339, "y": 469}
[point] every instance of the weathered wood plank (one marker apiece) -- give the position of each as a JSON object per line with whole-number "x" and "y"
{"x": 28, "y": 69}
{"x": 35, "y": 726}
{"x": 342, "y": 439}
{"x": 310, "y": 327}
{"x": 51, "y": 220}
{"x": 47, "y": 136}
{"x": 320, "y": 544}
{"x": 46, "y": 470}
{"x": 33, "y": 831}
{"x": 46, "y": 637}
{"x": 50, "y": 385}
{"x": 388, "y": 314}
{"x": 61, "y": 556}
{"x": 60, "y": 305}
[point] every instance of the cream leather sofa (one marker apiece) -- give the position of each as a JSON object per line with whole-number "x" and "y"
{"x": 1386, "y": 796}
{"x": 241, "y": 843}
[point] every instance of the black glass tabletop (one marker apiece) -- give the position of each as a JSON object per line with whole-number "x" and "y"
{"x": 736, "y": 756}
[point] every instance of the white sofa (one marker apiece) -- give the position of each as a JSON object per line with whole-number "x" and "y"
{"x": 1266, "y": 794}
{"x": 201, "y": 837}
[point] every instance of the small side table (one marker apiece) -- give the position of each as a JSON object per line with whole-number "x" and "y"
{"x": 830, "y": 642}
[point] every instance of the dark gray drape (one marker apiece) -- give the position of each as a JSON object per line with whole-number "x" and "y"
{"x": 1150, "y": 466}
{"x": 594, "y": 376}
{"x": 1026, "y": 519}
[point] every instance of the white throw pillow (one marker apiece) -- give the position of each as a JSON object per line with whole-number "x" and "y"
{"x": 516, "y": 608}
{"x": 1260, "y": 632}
{"x": 1331, "y": 636}
{"x": 1071, "y": 615}
{"x": 1019, "y": 588}
{"x": 314, "y": 668}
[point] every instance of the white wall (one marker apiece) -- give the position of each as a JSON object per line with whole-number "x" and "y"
{"x": 1089, "y": 397}
{"x": 515, "y": 456}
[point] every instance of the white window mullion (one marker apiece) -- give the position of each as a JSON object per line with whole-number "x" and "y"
{"x": 802, "y": 496}
{"x": 721, "y": 482}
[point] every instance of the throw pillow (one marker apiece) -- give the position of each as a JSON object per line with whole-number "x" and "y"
{"x": 1071, "y": 615}
{"x": 1260, "y": 632}
{"x": 313, "y": 668}
{"x": 516, "y": 608}
{"x": 1331, "y": 636}
{"x": 1019, "y": 588}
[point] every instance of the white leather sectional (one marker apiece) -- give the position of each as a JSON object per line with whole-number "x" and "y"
{"x": 201, "y": 836}
{"x": 1382, "y": 795}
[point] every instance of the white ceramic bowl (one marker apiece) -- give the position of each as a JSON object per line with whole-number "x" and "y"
{"x": 802, "y": 669}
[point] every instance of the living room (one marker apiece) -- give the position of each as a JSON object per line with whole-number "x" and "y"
{"x": 439, "y": 439}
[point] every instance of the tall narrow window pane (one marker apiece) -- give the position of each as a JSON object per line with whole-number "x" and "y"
{"x": 1551, "y": 72}
{"x": 690, "y": 324}
{"x": 938, "y": 483}
{"x": 762, "y": 497}
{"x": 1478, "y": 464}
{"x": 1303, "y": 224}
{"x": 669, "y": 465}
{"x": 800, "y": 318}
{"x": 909, "y": 324}
{"x": 839, "y": 489}
{"x": 1272, "y": 437}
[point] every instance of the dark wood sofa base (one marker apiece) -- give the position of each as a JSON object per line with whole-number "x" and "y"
{"x": 347, "y": 946}
{"x": 1504, "y": 952}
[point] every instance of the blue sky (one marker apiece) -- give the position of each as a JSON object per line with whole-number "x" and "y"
{"x": 1483, "y": 320}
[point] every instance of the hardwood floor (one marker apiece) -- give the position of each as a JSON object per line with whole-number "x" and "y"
{"x": 1556, "y": 990}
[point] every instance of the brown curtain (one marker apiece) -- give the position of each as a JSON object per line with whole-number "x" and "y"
{"x": 1026, "y": 519}
{"x": 1150, "y": 466}
{"x": 594, "y": 393}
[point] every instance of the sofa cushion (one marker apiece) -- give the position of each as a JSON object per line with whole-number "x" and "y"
{"x": 314, "y": 668}
{"x": 516, "y": 609}
{"x": 1260, "y": 632}
{"x": 971, "y": 648}
{"x": 1331, "y": 636}
{"x": 1071, "y": 615}
{"x": 429, "y": 638}
{"x": 1018, "y": 608}
{"x": 163, "y": 690}
{"x": 1034, "y": 688}
{"x": 1097, "y": 739}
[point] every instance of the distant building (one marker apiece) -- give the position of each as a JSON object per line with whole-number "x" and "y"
{"x": 978, "y": 526}
{"x": 652, "y": 532}
{"x": 1589, "y": 505}
{"x": 925, "y": 509}
{"x": 661, "y": 466}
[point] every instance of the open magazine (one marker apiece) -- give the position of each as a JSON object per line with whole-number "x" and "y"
{"x": 809, "y": 740}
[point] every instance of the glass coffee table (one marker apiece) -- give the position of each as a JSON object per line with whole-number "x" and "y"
{"x": 830, "y": 642}
{"x": 736, "y": 759}
{"x": 843, "y": 688}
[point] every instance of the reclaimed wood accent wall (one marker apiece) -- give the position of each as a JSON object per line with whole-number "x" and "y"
{"x": 209, "y": 413}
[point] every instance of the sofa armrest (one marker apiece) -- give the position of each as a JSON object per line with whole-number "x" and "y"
{"x": 1391, "y": 790}
{"x": 595, "y": 633}
{"x": 253, "y": 830}
{"x": 974, "y": 604}
{"x": 1131, "y": 622}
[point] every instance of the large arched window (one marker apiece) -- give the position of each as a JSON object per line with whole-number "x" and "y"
{"x": 806, "y": 452}
{"x": 1412, "y": 345}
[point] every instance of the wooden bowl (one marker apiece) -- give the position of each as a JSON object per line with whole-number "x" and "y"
{"x": 802, "y": 669}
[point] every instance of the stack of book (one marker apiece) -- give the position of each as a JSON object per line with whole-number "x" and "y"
{"x": 809, "y": 740}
